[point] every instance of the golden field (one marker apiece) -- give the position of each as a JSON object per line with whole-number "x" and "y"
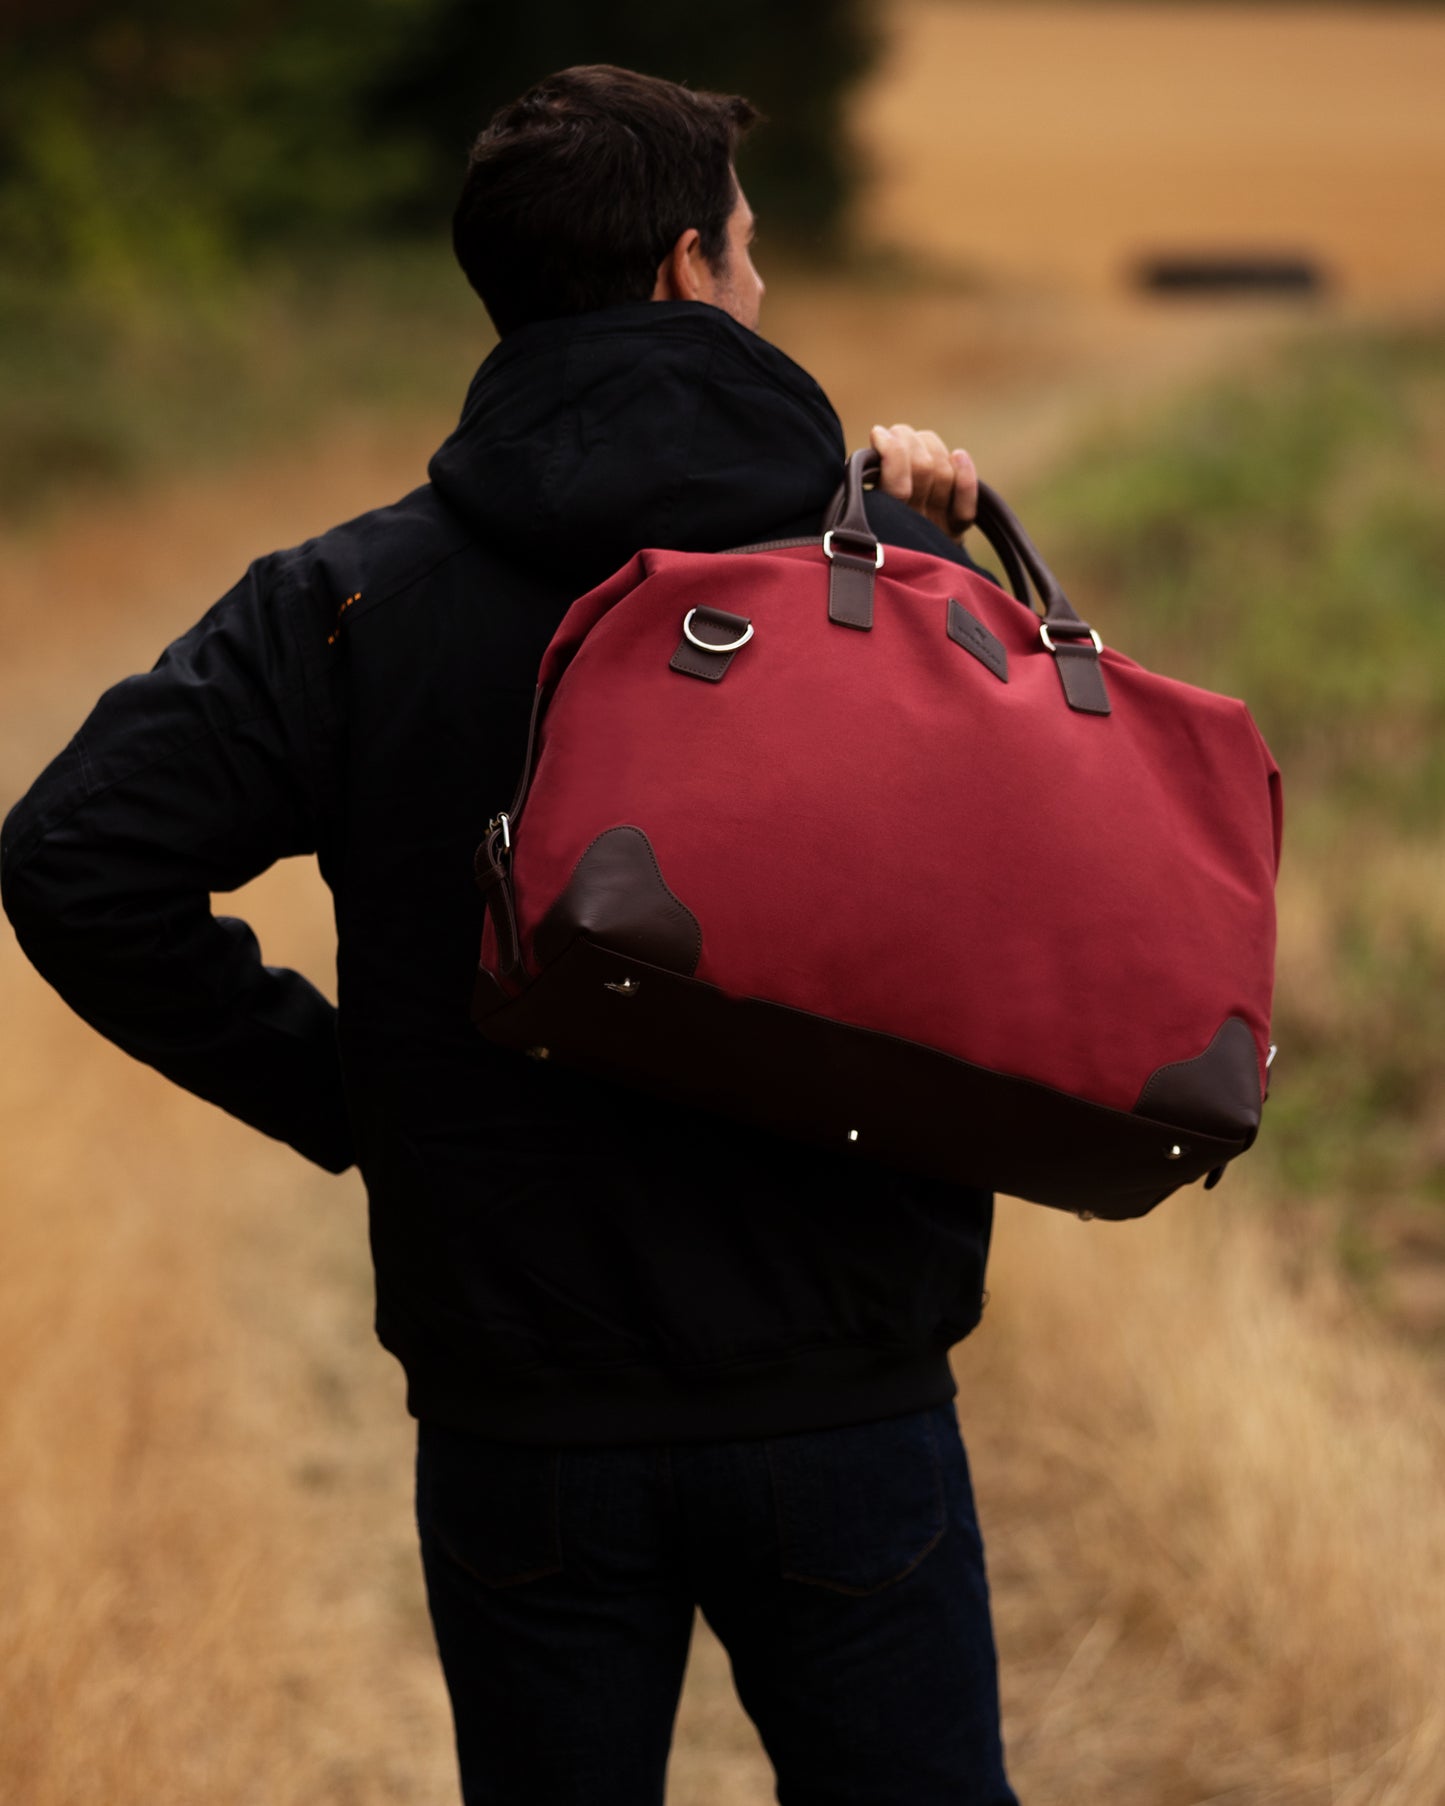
{"x": 1210, "y": 1470}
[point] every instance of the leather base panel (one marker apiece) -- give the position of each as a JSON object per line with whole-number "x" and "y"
{"x": 617, "y": 894}
{"x": 819, "y": 1081}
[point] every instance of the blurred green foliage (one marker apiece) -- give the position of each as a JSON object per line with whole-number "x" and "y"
{"x": 1286, "y": 540}
{"x": 191, "y": 196}
{"x": 1282, "y": 538}
{"x": 168, "y": 140}
{"x": 95, "y": 396}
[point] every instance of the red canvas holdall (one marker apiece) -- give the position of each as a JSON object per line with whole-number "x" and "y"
{"x": 845, "y": 841}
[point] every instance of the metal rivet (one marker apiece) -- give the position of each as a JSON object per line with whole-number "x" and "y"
{"x": 539, "y": 1053}
{"x": 852, "y": 1134}
{"x": 1174, "y": 1153}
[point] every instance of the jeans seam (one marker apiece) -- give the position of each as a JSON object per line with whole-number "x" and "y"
{"x": 838, "y": 1586}
{"x": 490, "y": 1582}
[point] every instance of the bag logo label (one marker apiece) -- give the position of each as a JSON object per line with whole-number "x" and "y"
{"x": 967, "y": 631}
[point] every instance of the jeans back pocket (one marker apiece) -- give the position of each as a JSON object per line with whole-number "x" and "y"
{"x": 858, "y": 1508}
{"x": 491, "y": 1508}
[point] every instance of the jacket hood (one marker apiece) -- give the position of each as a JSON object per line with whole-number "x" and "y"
{"x": 654, "y": 424}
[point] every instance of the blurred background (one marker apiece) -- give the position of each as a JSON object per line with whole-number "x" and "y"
{"x": 1175, "y": 273}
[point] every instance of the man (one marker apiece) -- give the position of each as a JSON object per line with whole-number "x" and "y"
{"x": 659, "y": 1361}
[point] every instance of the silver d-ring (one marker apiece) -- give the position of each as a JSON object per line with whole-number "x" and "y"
{"x": 707, "y": 645}
{"x": 1048, "y": 638}
{"x": 877, "y": 550}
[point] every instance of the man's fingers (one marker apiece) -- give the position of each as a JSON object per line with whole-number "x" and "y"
{"x": 963, "y": 509}
{"x": 918, "y": 468}
{"x": 920, "y": 461}
{"x": 933, "y": 477}
{"x": 896, "y": 475}
{"x": 909, "y": 464}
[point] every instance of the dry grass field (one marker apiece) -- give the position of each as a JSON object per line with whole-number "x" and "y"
{"x": 1210, "y": 1478}
{"x": 1056, "y": 143}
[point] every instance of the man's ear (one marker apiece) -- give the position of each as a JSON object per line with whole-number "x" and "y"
{"x": 681, "y": 274}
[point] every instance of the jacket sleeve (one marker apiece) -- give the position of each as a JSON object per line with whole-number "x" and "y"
{"x": 188, "y": 780}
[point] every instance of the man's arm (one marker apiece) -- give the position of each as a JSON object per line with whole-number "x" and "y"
{"x": 188, "y": 780}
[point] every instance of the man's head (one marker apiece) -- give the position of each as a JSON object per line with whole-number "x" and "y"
{"x": 601, "y": 186}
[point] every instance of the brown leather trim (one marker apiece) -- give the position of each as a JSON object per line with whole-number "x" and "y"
{"x": 1004, "y": 531}
{"x": 1014, "y": 571}
{"x": 809, "y": 1078}
{"x": 1082, "y": 676}
{"x": 847, "y": 513}
{"x": 1075, "y": 655}
{"x": 851, "y": 603}
{"x": 618, "y": 896}
{"x": 967, "y": 631}
{"x": 709, "y": 624}
{"x": 850, "y": 588}
{"x": 777, "y": 545}
{"x": 526, "y": 778}
{"x": 1217, "y": 1091}
{"x": 494, "y": 881}
{"x": 853, "y": 549}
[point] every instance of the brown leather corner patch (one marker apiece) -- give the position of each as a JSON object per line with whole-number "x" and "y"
{"x": 967, "y": 631}
{"x": 1217, "y": 1092}
{"x": 617, "y": 897}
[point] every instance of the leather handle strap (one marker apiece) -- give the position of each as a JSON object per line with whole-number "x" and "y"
{"x": 1024, "y": 564}
{"x": 1070, "y": 638}
{"x": 854, "y": 553}
{"x": 490, "y": 864}
{"x": 494, "y": 881}
{"x": 847, "y": 513}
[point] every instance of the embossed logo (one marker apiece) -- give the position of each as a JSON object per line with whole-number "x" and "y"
{"x": 970, "y": 633}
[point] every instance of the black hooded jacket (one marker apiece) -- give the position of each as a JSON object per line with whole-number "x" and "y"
{"x": 557, "y": 1260}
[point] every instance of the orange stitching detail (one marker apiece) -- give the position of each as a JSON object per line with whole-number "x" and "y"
{"x": 335, "y": 633}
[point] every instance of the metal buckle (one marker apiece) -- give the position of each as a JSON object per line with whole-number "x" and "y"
{"x": 707, "y": 645}
{"x": 504, "y": 822}
{"x": 828, "y": 549}
{"x": 1073, "y": 638}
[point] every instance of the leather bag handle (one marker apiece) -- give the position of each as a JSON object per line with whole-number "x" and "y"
{"x": 1070, "y": 639}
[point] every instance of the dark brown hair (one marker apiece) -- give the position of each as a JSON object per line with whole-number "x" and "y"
{"x": 576, "y": 192}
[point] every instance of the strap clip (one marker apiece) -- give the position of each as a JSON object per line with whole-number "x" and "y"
{"x": 828, "y": 548}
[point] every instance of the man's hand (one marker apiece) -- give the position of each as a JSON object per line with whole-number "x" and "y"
{"x": 919, "y": 469}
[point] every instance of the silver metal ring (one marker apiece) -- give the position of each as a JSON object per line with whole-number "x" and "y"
{"x": 1048, "y": 638}
{"x": 877, "y": 550}
{"x": 707, "y": 645}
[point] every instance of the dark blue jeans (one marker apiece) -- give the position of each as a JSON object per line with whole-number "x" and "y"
{"x": 842, "y": 1570}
